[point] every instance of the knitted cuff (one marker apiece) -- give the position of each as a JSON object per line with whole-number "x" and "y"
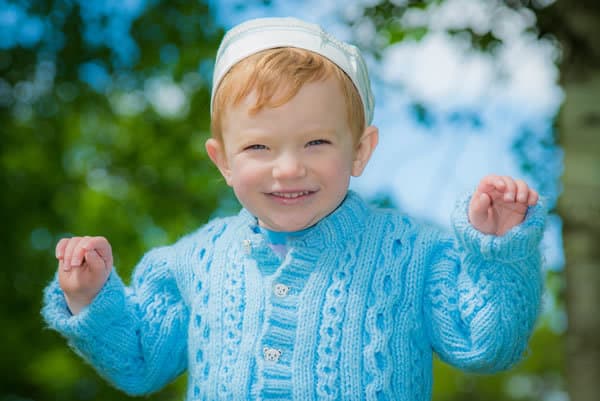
{"x": 107, "y": 306}
{"x": 519, "y": 242}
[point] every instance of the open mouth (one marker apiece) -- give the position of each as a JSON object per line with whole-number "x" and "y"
{"x": 291, "y": 195}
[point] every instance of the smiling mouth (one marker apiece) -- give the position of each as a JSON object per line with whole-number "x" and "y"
{"x": 291, "y": 195}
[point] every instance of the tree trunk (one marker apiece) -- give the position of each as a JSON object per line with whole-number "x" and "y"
{"x": 576, "y": 24}
{"x": 579, "y": 207}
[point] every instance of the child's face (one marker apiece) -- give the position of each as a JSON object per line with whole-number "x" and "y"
{"x": 290, "y": 166}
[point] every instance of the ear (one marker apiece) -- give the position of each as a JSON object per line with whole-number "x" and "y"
{"x": 216, "y": 152}
{"x": 364, "y": 149}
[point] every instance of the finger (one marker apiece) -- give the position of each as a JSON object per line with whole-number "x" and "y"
{"x": 103, "y": 248}
{"x": 510, "y": 190}
{"x": 62, "y": 262}
{"x": 522, "y": 191}
{"x": 94, "y": 260}
{"x": 491, "y": 182}
{"x": 483, "y": 203}
{"x": 69, "y": 250}
{"x": 79, "y": 251}
{"x": 63, "y": 266}
{"x": 60, "y": 248}
{"x": 479, "y": 208}
{"x": 533, "y": 197}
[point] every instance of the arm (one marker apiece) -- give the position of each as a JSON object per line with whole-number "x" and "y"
{"x": 135, "y": 337}
{"x": 483, "y": 291}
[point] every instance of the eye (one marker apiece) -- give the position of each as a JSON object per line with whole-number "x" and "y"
{"x": 255, "y": 147}
{"x": 318, "y": 142}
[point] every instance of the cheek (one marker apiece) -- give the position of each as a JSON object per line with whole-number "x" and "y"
{"x": 335, "y": 171}
{"x": 246, "y": 173}
{"x": 337, "y": 164}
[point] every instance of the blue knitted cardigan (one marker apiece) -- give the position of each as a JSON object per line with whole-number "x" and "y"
{"x": 368, "y": 296}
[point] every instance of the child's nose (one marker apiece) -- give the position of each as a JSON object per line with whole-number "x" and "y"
{"x": 288, "y": 166}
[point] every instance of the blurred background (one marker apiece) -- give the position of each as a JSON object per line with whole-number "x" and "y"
{"x": 104, "y": 110}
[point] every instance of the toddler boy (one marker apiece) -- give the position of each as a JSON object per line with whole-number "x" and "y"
{"x": 308, "y": 293}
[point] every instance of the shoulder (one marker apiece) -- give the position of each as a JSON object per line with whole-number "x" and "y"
{"x": 396, "y": 230}
{"x": 205, "y": 237}
{"x": 187, "y": 246}
{"x": 181, "y": 259}
{"x": 391, "y": 223}
{"x": 214, "y": 228}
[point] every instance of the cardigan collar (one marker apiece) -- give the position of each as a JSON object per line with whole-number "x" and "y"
{"x": 345, "y": 221}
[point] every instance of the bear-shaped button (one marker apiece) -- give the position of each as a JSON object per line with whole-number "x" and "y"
{"x": 271, "y": 354}
{"x": 281, "y": 290}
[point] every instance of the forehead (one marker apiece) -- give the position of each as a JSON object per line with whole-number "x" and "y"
{"x": 317, "y": 105}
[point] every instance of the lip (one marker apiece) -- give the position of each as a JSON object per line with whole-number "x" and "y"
{"x": 289, "y": 197}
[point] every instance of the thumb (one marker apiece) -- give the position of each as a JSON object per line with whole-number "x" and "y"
{"x": 478, "y": 208}
{"x": 95, "y": 261}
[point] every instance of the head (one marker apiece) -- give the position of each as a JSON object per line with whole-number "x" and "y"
{"x": 274, "y": 76}
{"x": 289, "y": 130}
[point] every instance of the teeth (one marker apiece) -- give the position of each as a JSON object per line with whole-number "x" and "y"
{"x": 291, "y": 195}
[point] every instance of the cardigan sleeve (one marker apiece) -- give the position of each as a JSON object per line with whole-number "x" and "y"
{"x": 483, "y": 292}
{"x": 133, "y": 336}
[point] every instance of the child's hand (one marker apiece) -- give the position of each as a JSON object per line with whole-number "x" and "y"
{"x": 84, "y": 264}
{"x": 500, "y": 203}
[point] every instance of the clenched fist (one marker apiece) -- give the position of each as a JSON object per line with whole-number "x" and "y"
{"x": 84, "y": 264}
{"x": 500, "y": 203}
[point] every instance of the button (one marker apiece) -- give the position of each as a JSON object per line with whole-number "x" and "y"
{"x": 247, "y": 244}
{"x": 281, "y": 290}
{"x": 271, "y": 354}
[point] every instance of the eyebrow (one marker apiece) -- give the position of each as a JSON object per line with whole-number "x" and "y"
{"x": 257, "y": 134}
{"x": 315, "y": 133}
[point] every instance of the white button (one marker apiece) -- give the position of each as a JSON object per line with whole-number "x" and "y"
{"x": 281, "y": 290}
{"x": 271, "y": 354}
{"x": 247, "y": 245}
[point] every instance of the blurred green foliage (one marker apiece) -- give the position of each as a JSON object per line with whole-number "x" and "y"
{"x": 104, "y": 155}
{"x": 76, "y": 160}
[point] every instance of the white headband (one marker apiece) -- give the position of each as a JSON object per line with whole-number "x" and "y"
{"x": 260, "y": 34}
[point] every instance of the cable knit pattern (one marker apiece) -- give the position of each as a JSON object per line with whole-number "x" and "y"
{"x": 328, "y": 351}
{"x": 354, "y": 311}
